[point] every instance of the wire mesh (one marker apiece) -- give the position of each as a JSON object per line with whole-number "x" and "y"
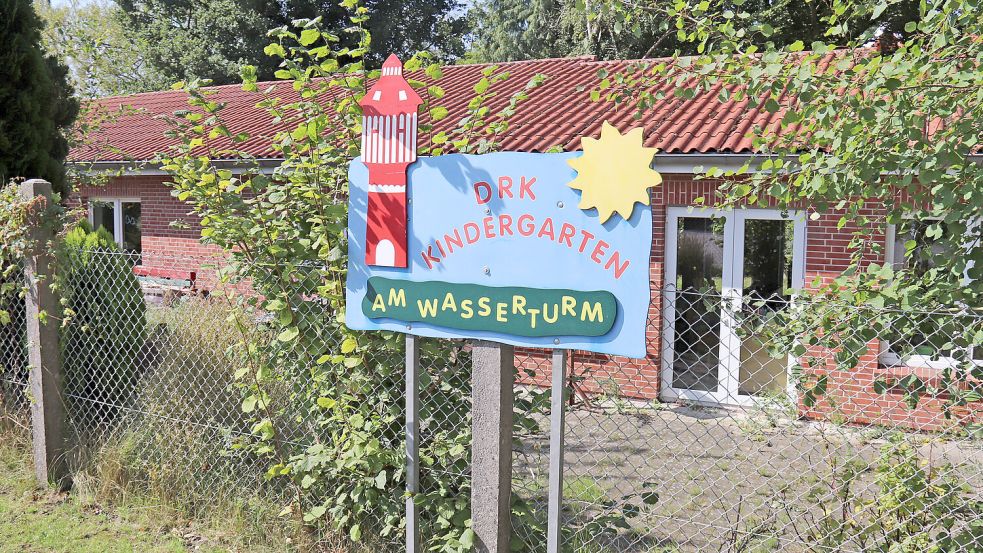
{"x": 714, "y": 446}
{"x": 719, "y": 440}
{"x": 13, "y": 341}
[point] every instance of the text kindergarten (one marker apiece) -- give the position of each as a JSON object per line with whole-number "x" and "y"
{"x": 498, "y": 249}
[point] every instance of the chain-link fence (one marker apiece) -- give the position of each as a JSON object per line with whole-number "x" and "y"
{"x": 779, "y": 436}
{"x": 745, "y": 429}
{"x": 13, "y": 343}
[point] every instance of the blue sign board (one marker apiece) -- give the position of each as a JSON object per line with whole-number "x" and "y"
{"x": 496, "y": 248}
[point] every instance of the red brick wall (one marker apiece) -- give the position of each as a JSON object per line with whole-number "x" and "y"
{"x": 166, "y": 246}
{"x": 851, "y": 397}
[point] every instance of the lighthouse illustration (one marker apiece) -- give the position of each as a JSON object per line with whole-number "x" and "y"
{"x": 389, "y": 124}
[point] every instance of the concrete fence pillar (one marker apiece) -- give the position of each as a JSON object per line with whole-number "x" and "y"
{"x": 491, "y": 453}
{"x": 46, "y": 386}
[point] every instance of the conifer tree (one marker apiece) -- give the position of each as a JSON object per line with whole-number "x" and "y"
{"x": 36, "y": 103}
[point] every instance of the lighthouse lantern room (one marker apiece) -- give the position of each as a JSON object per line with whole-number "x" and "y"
{"x": 389, "y": 125}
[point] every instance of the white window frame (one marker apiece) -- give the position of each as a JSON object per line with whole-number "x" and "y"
{"x": 117, "y": 214}
{"x": 732, "y": 265}
{"x": 888, "y": 358}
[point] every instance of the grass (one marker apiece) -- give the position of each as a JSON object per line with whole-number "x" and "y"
{"x": 36, "y": 520}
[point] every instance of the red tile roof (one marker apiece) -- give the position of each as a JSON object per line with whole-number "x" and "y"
{"x": 557, "y": 113}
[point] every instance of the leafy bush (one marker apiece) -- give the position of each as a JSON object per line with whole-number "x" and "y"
{"x": 104, "y": 330}
{"x": 284, "y": 235}
{"x": 17, "y": 220}
{"x": 917, "y": 506}
{"x": 175, "y": 449}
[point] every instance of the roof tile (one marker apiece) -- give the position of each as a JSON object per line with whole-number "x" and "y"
{"x": 557, "y": 113}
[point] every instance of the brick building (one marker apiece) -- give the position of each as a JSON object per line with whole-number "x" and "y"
{"x": 759, "y": 250}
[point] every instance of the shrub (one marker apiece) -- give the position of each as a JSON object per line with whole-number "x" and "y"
{"x": 174, "y": 450}
{"x": 103, "y": 338}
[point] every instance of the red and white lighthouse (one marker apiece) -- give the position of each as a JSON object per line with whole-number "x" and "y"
{"x": 389, "y": 123}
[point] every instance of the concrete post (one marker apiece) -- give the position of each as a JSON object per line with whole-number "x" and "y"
{"x": 47, "y": 402}
{"x": 491, "y": 453}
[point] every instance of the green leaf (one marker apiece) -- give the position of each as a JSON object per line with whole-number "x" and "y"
{"x": 315, "y": 513}
{"x": 878, "y": 10}
{"x": 249, "y": 404}
{"x": 355, "y": 533}
{"x": 285, "y": 316}
{"x": 438, "y": 113}
{"x": 348, "y": 345}
{"x": 326, "y": 402}
{"x": 289, "y": 334}
{"x": 380, "y": 480}
{"x": 309, "y": 36}
{"x": 467, "y": 538}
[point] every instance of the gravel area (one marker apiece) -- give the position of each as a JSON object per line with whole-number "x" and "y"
{"x": 727, "y": 480}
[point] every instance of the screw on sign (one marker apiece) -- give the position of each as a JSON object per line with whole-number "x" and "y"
{"x": 486, "y": 250}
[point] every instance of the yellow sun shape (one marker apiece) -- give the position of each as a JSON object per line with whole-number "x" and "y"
{"x": 614, "y": 172}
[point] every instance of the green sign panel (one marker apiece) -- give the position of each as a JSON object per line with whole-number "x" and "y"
{"x": 509, "y": 310}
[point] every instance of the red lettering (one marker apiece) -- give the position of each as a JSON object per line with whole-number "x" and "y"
{"x": 547, "y": 229}
{"x": 440, "y": 247}
{"x": 467, "y": 235}
{"x": 504, "y": 187}
{"x": 455, "y": 240}
{"x": 504, "y": 225}
{"x": 429, "y": 257}
{"x": 529, "y": 227}
{"x": 525, "y": 187}
{"x": 489, "y": 229}
{"x": 583, "y": 244}
{"x": 566, "y": 233}
{"x": 618, "y": 269}
{"x": 478, "y": 187}
{"x": 599, "y": 250}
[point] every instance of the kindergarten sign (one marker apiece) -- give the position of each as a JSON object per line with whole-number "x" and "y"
{"x": 537, "y": 250}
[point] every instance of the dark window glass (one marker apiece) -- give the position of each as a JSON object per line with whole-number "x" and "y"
{"x": 699, "y": 280}
{"x": 131, "y": 227}
{"x": 103, "y": 216}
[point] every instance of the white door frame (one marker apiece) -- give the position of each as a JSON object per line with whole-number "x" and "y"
{"x": 728, "y": 372}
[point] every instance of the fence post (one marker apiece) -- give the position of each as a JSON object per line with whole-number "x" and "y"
{"x": 44, "y": 357}
{"x": 557, "y": 416}
{"x": 412, "y": 443}
{"x": 491, "y": 453}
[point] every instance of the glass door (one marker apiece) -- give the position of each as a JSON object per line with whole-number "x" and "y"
{"x": 768, "y": 249}
{"x": 696, "y": 338}
{"x": 725, "y": 270}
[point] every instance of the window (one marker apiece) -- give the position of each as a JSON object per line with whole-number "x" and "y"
{"x": 121, "y": 218}
{"x": 923, "y": 340}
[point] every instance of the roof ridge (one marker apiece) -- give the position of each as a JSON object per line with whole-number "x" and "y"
{"x": 585, "y": 57}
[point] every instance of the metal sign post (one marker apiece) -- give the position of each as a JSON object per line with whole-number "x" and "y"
{"x": 557, "y": 406}
{"x": 412, "y": 443}
{"x": 491, "y": 453}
